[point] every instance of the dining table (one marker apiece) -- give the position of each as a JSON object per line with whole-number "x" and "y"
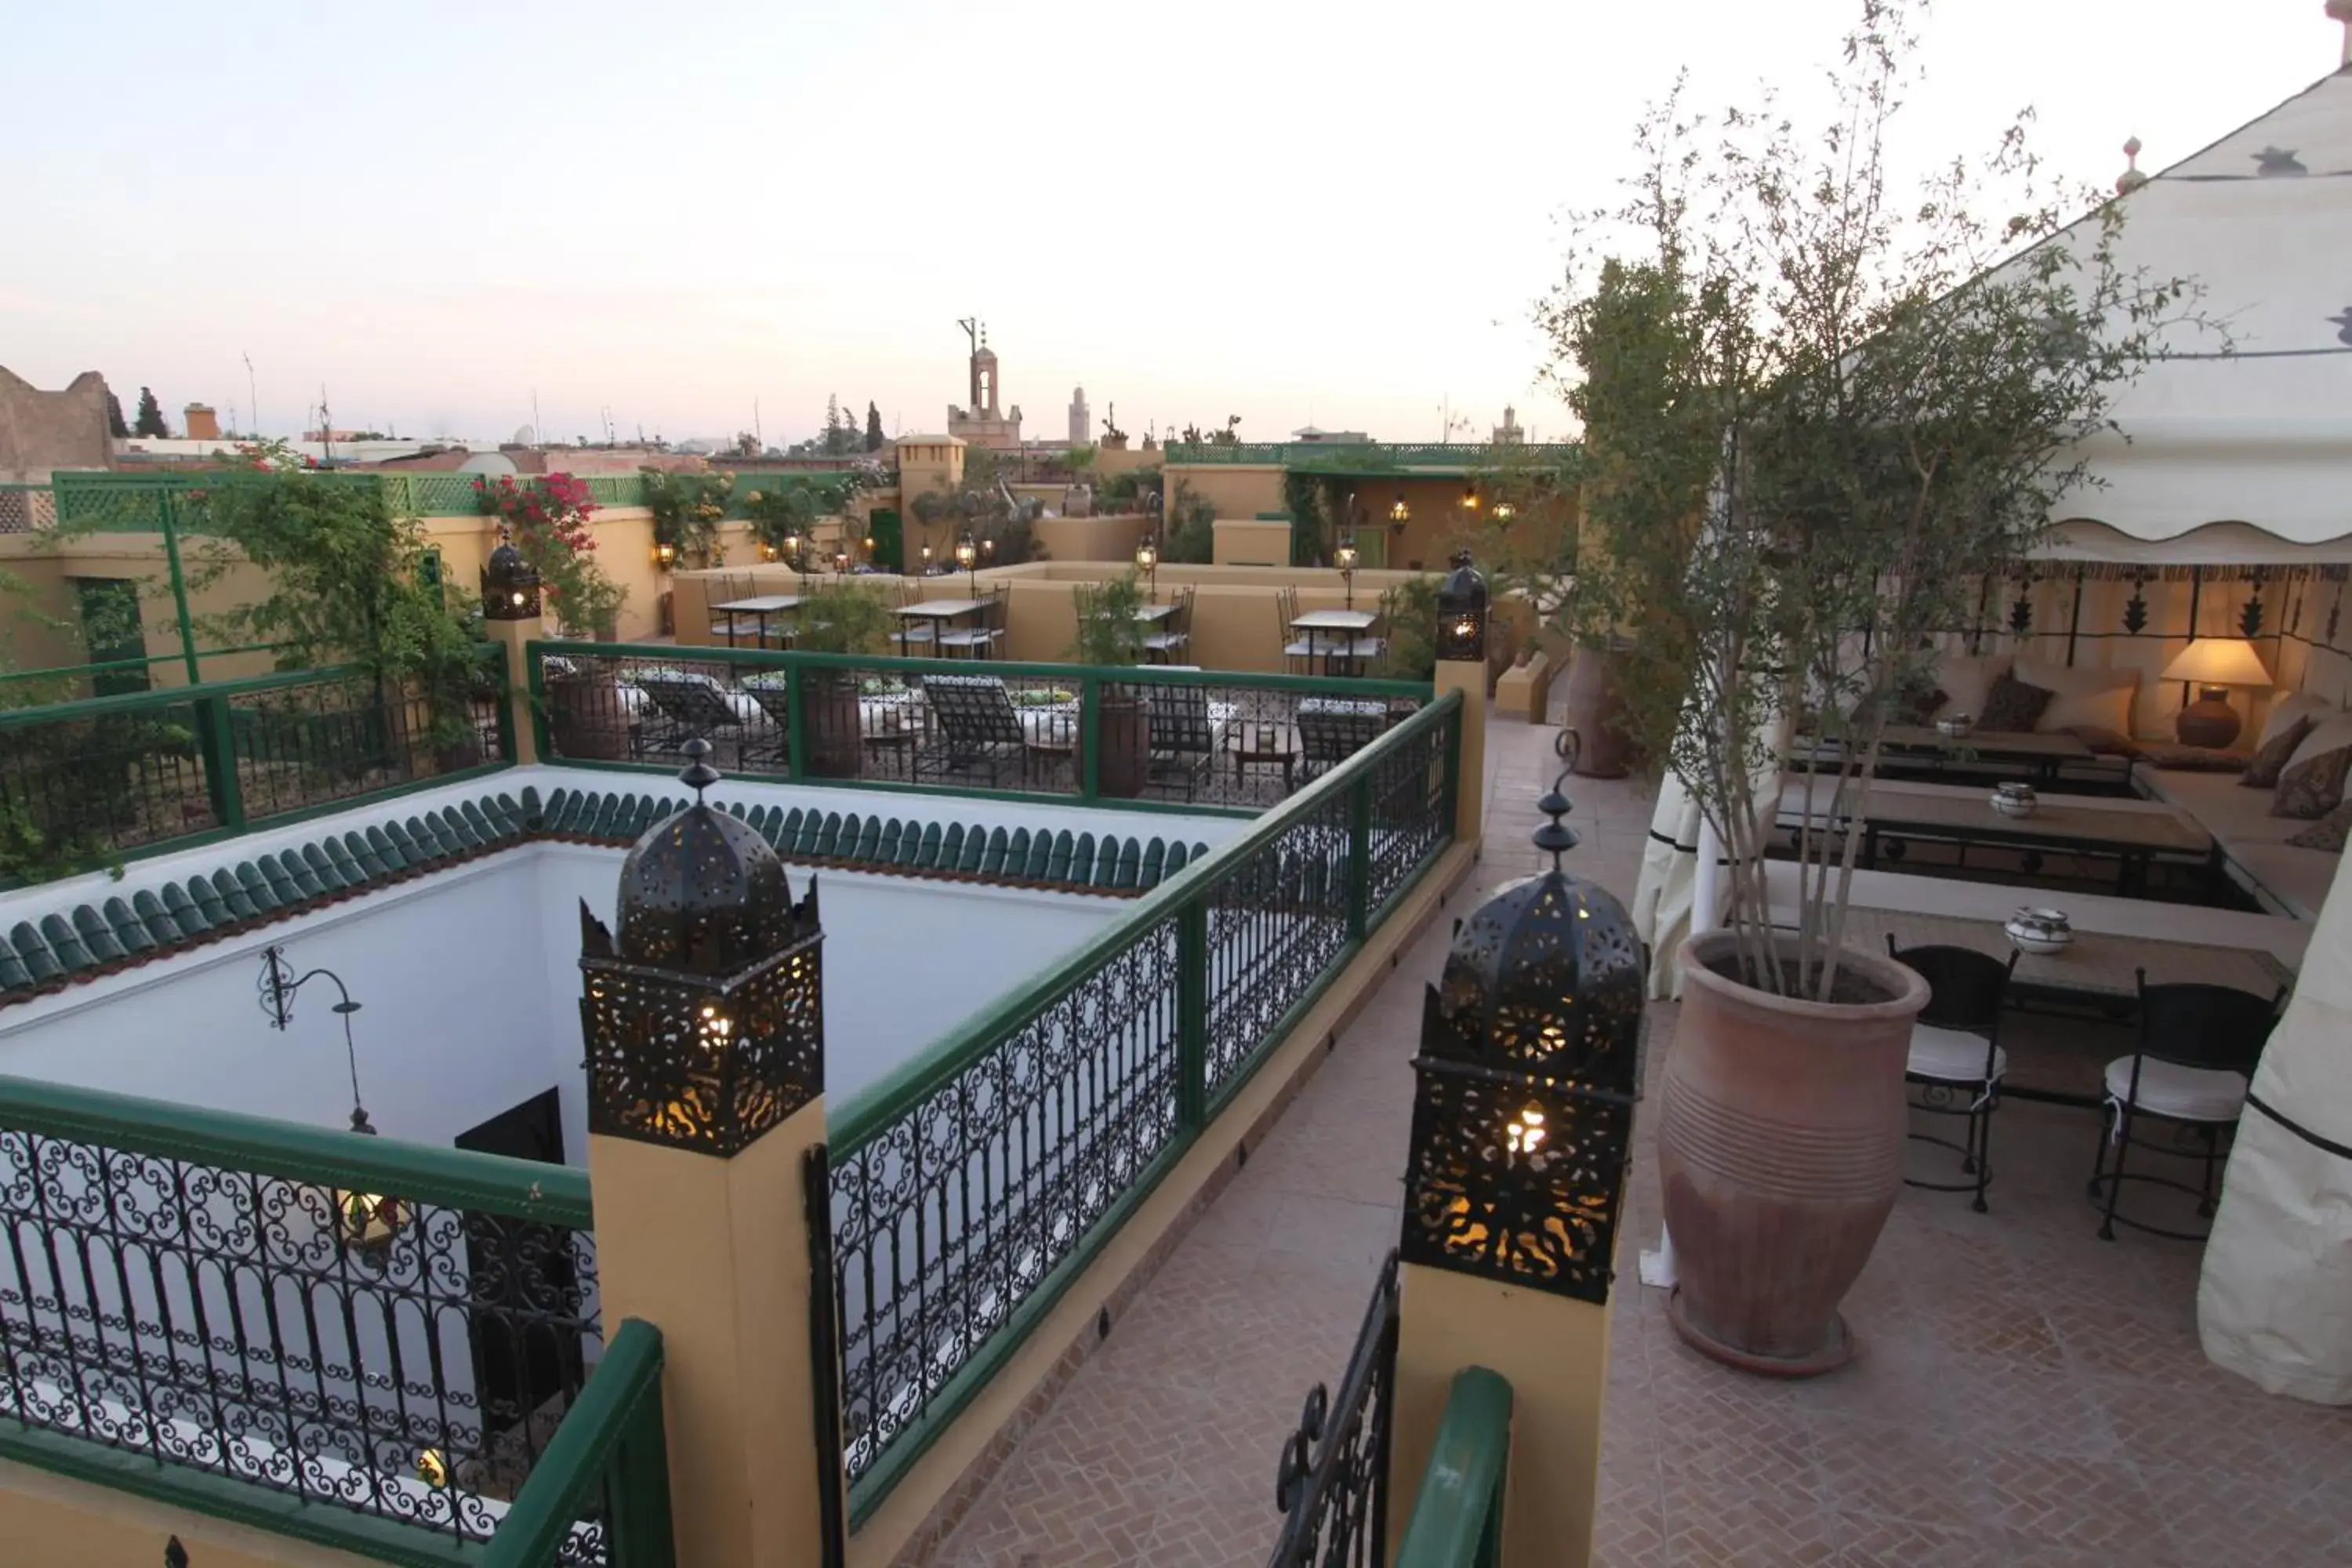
{"x": 760, "y": 606}
{"x": 1344, "y": 628}
{"x": 940, "y": 614}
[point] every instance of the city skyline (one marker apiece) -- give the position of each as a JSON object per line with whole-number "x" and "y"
{"x": 1342, "y": 218}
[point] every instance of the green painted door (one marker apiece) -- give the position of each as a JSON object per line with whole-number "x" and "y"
{"x": 111, "y": 630}
{"x": 888, "y": 547}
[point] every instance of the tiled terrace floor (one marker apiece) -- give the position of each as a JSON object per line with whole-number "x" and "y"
{"x": 2027, "y": 1394}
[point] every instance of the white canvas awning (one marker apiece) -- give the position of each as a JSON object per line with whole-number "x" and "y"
{"x": 2239, "y": 451}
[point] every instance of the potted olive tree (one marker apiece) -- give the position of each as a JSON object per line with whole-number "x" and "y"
{"x": 1111, "y": 633}
{"x": 840, "y": 617}
{"x": 1817, "y": 415}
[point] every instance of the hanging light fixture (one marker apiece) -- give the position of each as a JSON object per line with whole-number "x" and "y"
{"x": 366, "y": 1224}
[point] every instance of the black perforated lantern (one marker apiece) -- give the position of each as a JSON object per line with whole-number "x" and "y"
{"x": 705, "y": 1019}
{"x": 510, "y": 587}
{"x": 1523, "y": 1109}
{"x": 1462, "y": 613}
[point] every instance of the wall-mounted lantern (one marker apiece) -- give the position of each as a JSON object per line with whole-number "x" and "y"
{"x": 509, "y": 586}
{"x": 1504, "y": 511}
{"x": 1462, "y": 613}
{"x": 665, "y": 555}
{"x": 1523, "y": 1111}
{"x": 704, "y": 1012}
{"x": 1400, "y": 514}
{"x": 366, "y": 1224}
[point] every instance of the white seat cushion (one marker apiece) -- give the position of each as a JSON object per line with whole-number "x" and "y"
{"x": 1301, "y": 650}
{"x": 1951, "y": 1056}
{"x": 2167, "y": 1089}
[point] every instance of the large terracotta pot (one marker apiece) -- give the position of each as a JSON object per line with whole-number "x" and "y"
{"x": 1123, "y": 731}
{"x": 1780, "y": 1134}
{"x": 830, "y": 724}
{"x": 1594, "y": 709}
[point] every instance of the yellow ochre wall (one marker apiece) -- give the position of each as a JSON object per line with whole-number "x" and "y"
{"x": 49, "y": 1522}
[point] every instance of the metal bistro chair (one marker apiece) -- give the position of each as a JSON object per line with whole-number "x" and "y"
{"x": 917, "y": 638}
{"x": 977, "y": 726}
{"x": 1333, "y": 729}
{"x": 980, "y": 641}
{"x": 725, "y": 589}
{"x": 1297, "y": 652}
{"x": 1956, "y": 1056}
{"x": 2197, "y": 1047}
{"x": 1166, "y": 645}
{"x": 690, "y": 706}
{"x": 1183, "y": 736}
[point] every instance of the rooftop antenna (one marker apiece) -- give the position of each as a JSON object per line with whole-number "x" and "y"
{"x": 251, "y": 394}
{"x": 326, "y": 426}
{"x": 536, "y": 427}
{"x": 759, "y": 435}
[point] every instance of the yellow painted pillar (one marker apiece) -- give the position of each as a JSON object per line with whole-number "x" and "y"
{"x": 714, "y": 1252}
{"x": 1522, "y": 1131}
{"x": 704, "y": 1016}
{"x": 512, "y": 636}
{"x": 1469, "y": 678}
{"x": 1554, "y": 1352}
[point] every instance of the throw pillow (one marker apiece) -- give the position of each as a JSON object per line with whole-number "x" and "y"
{"x": 1967, "y": 680}
{"x": 2271, "y": 760}
{"x": 2290, "y": 710}
{"x": 2011, "y": 705}
{"x": 2106, "y": 742}
{"x": 2103, "y": 698}
{"x": 2332, "y": 732}
{"x": 2328, "y": 833}
{"x": 2313, "y": 787}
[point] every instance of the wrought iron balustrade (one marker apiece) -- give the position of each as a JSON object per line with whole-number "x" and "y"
{"x": 89, "y": 780}
{"x": 968, "y": 1191}
{"x": 600, "y": 1495}
{"x": 369, "y": 1326}
{"x": 1212, "y": 739}
{"x": 1332, "y": 1482}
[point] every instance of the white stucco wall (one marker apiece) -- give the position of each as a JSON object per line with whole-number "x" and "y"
{"x": 468, "y": 984}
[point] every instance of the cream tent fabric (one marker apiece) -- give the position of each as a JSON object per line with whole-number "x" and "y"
{"x": 2258, "y": 439}
{"x": 1661, "y": 897}
{"x": 2276, "y": 1302}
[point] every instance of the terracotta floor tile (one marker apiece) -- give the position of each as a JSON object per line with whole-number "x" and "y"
{"x": 1867, "y": 1540}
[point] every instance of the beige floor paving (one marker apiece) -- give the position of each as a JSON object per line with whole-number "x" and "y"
{"x": 2027, "y": 1394}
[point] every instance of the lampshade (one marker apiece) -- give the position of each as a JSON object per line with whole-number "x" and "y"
{"x": 2219, "y": 661}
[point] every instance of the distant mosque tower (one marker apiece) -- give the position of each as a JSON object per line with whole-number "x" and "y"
{"x": 1082, "y": 424}
{"x": 1509, "y": 431}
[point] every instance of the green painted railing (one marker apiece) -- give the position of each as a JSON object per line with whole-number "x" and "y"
{"x": 974, "y": 1184}
{"x": 267, "y": 1321}
{"x": 86, "y": 784}
{"x": 601, "y": 1492}
{"x": 1145, "y": 739}
{"x": 1457, "y": 1514}
{"x": 1352, "y": 457}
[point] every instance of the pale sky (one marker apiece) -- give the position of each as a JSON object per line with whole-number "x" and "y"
{"x": 1283, "y": 210}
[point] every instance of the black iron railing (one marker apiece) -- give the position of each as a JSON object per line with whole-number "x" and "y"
{"x": 971, "y": 1187}
{"x": 83, "y": 783}
{"x": 600, "y": 1495}
{"x": 1332, "y": 1484}
{"x": 370, "y": 1326}
{"x": 1065, "y": 732}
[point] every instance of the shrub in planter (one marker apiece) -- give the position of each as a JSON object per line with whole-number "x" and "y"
{"x": 843, "y": 618}
{"x": 1111, "y": 633}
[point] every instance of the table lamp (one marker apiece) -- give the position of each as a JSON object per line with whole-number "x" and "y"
{"x": 2214, "y": 665}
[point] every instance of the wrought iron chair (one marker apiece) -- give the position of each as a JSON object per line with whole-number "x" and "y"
{"x": 686, "y": 706}
{"x": 1297, "y": 652}
{"x": 917, "y": 638}
{"x": 1183, "y": 736}
{"x": 2197, "y": 1047}
{"x": 723, "y": 589}
{"x": 1168, "y": 643}
{"x": 1333, "y": 729}
{"x": 980, "y": 641}
{"x": 1956, "y": 1057}
{"x": 976, "y": 724}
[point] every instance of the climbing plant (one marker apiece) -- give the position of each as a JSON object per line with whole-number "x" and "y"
{"x": 687, "y": 510}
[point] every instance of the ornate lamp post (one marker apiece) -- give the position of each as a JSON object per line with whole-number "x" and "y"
{"x": 1147, "y": 560}
{"x": 1345, "y": 559}
{"x": 704, "y": 1016}
{"x": 510, "y": 587}
{"x": 1462, "y": 613}
{"x": 1523, "y": 1115}
{"x": 968, "y": 557}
